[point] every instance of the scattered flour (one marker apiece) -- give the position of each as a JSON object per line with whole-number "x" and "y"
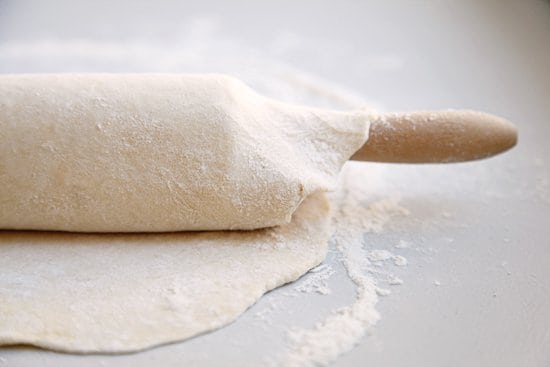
{"x": 382, "y": 292}
{"x": 317, "y": 280}
{"x": 403, "y": 244}
{"x": 395, "y": 281}
{"x": 380, "y": 255}
{"x": 264, "y": 313}
{"x": 400, "y": 260}
{"x": 340, "y": 331}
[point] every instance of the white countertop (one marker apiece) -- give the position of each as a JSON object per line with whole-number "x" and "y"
{"x": 481, "y": 230}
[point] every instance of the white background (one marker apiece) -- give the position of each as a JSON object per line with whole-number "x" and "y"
{"x": 483, "y": 228}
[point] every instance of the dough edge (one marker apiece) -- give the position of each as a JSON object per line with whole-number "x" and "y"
{"x": 311, "y": 222}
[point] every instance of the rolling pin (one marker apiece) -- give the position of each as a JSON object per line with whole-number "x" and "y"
{"x": 174, "y": 152}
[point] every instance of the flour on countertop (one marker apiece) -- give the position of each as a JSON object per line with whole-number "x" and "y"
{"x": 317, "y": 280}
{"x": 395, "y": 281}
{"x": 342, "y": 329}
{"x": 403, "y": 244}
{"x": 379, "y": 256}
{"x": 400, "y": 260}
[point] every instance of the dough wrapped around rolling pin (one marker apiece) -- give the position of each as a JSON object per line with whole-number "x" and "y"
{"x": 150, "y": 153}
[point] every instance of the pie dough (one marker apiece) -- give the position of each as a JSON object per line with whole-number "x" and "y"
{"x": 126, "y": 292}
{"x": 160, "y": 152}
{"x": 149, "y": 153}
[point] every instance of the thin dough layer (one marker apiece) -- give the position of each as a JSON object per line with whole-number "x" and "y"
{"x": 126, "y": 292}
{"x": 158, "y": 152}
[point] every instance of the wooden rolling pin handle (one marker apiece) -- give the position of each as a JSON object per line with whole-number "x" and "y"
{"x": 436, "y": 137}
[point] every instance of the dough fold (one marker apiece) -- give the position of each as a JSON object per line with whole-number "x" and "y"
{"x": 159, "y": 152}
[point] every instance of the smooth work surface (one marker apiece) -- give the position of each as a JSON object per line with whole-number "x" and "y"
{"x": 476, "y": 289}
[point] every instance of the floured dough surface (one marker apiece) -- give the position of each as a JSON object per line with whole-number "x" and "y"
{"x": 161, "y": 152}
{"x": 126, "y": 292}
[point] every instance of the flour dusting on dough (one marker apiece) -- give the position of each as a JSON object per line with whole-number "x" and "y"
{"x": 116, "y": 293}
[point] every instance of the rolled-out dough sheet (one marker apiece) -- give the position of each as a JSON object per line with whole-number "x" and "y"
{"x": 161, "y": 152}
{"x": 126, "y": 292}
